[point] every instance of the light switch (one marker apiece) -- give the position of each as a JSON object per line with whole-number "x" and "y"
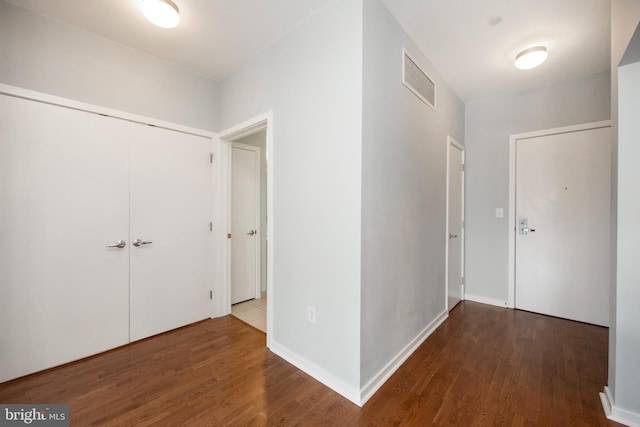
{"x": 499, "y": 213}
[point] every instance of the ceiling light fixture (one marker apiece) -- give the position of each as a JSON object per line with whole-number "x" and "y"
{"x": 531, "y": 58}
{"x": 163, "y": 13}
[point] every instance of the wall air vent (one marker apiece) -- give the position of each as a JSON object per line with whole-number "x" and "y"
{"x": 417, "y": 81}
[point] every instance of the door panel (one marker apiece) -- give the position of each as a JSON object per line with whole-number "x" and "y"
{"x": 64, "y": 195}
{"x": 170, "y": 207}
{"x": 563, "y": 190}
{"x": 455, "y": 209}
{"x": 245, "y": 181}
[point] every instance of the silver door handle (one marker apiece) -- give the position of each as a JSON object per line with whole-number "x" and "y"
{"x": 252, "y": 232}
{"x": 524, "y": 227}
{"x": 119, "y": 244}
{"x": 453, "y": 236}
{"x": 139, "y": 242}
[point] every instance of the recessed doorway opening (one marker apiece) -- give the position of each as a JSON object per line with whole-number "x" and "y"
{"x": 246, "y": 189}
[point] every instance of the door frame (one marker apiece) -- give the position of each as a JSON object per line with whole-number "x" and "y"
{"x": 455, "y": 144}
{"x": 257, "y": 151}
{"x": 222, "y": 209}
{"x": 513, "y": 140}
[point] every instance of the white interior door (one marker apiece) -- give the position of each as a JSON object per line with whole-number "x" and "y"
{"x": 455, "y": 212}
{"x": 64, "y": 196}
{"x": 245, "y": 209}
{"x": 170, "y": 209}
{"x": 563, "y": 192}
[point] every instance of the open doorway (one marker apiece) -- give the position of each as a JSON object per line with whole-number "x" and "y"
{"x": 254, "y": 135}
{"x": 249, "y": 229}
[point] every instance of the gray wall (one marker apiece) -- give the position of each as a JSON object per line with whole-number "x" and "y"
{"x": 311, "y": 79}
{"x": 625, "y": 15}
{"x": 403, "y": 194}
{"x": 260, "y": 140}
{"x": 624, "y": 332}
{"x": 627, "y": 381}
{"x": 47, "y": 56}
{"x": 488, "y": 125}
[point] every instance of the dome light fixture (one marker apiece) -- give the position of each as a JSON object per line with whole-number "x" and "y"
{"x": 531, "y": 58}
{"x": 163, "y": 13}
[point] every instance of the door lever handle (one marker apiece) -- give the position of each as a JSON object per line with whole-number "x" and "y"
{"x": 251, "y": 232}
{"x": 119, "y": 244}
{"x": 139, "y": 242}
{"x": 453, "y": 236}
{"x": 524, "y": 227}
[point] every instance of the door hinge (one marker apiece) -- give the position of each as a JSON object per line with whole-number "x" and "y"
{"x": 210, "y": 294}
{"x": 462, "y": 280}
{"x": 463, "y": 167}
{"x": 228, "y": 235}
{"x": 210, "y": 226}
{"x": 211, "y": 158}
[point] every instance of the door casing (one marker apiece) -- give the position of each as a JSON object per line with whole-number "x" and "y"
{"x": 222, "y": 189}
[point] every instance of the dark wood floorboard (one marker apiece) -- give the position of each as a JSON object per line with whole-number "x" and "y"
{"x": 484, "y": 366}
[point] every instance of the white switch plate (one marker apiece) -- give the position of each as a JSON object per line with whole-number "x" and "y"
{"x": 499, "y": 213}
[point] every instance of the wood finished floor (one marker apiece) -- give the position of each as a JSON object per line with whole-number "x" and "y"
{"x": 484, "y": 366}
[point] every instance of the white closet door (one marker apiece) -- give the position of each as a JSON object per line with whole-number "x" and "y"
{"x": 64, "y": 195}
{"x": 170, "y": 277}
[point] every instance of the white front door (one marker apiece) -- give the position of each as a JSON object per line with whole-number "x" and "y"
{"x": 562, "y": 225}
{"x": 245, "y": 209}
{"x": 455, "y": 209}
{"x": 64, "y": 196}
{"x": 170, "y": 209}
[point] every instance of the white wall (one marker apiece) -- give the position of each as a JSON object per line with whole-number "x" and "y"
{"x": 624, "y": 332}
{"x": 259, "y": 139}
{"x": 625, "y": 15}
{"x": 47, "y": 56}
{"x": 488, "y": 125}
{"x": 627, "y": 368}
{"x": 311, "y": 79}
{"x": 403, "y": 194}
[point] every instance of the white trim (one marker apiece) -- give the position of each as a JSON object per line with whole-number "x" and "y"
{"x": 390, "y": 368}
{"x": 257, "y": 151}
{"x": 485, "y": 300}
{"x": 616, "y": 414}
{"x": 337, "y": 385}
{"x": 221, "y": 304}
{"x": 513, "y": 139}
{"x": 246, "y": 128}
{"x": 91, "y": 108}
{"x": 452, "y": 142}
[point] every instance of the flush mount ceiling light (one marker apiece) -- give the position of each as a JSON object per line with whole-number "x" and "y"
{"x": 531, "y": 58}
{"x": 163, "y": 13}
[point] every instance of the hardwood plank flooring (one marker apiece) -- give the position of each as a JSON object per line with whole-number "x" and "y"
{"x": 484, "y": 366}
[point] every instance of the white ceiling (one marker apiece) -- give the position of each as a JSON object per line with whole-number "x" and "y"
{"x": 477, "y": 59}
{"x": 216, "y": 37}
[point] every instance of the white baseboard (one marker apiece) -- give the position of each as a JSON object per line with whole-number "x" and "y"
{"x": 618, "y": 415}
{"x": 385, "y": 373}
{"x": 326, "y": 378}
{"x": 485, "y": 300}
